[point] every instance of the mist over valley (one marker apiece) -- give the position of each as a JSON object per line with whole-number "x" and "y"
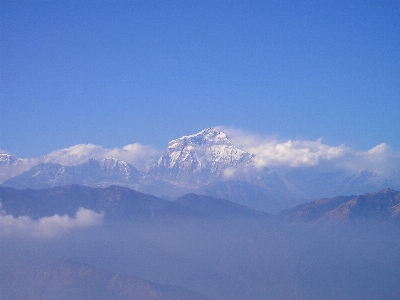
{"x": 198, "y": 247}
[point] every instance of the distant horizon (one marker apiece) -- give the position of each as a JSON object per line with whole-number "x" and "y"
{"x": 114, "y": 73}
{"x": 267, "y": 152}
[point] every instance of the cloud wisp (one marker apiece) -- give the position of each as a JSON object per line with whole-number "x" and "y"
{"x": 48, "y": 227}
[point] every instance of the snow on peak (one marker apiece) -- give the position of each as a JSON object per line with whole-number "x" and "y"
{"x": 209, "y": 136}
{"x": 9, "y": 159}
{"x": 209, "y": 150}
{"x": 112, "y": 164}
{"x": 5, "y": 157}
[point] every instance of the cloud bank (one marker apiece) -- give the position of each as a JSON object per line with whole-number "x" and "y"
{"x": 138, "y": 155}
{"x": 48, "y": 227}
{"x": 269, "y": 152}
{"x": 293, "y": 153}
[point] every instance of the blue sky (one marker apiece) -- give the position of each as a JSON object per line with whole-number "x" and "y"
{"x": 112, "y": 73}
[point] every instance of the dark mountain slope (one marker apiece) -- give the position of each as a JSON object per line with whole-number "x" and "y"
{"x": 383, "y": 205}
{"x": 117, "y": 202}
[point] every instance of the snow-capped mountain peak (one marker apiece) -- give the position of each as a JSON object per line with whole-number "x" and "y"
{"x": 92, "y": 173}
{"x": 114, "y": 165}
{"x": 199, "y": 158}
{"x": 209, "y": 136}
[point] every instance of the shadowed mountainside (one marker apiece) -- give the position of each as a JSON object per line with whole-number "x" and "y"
{"x": 383, "y": 205}
{"x": 118, "y": 203}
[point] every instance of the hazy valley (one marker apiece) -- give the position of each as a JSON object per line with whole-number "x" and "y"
{"x": 196, "y": 247}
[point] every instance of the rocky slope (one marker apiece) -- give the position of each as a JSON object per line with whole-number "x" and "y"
{"x": 383, "y": 205}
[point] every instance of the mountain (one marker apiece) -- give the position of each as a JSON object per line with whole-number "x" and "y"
{"x": 91, "y": 173}
{"x": 314, "y": 183}
{"x": 198, "y": 159}
{"x": 66, "y": 280}
{"x": 117, "y": 203}
{"x": 7, "y": 159}
{"x": 383, "y": 205}
{"x": 11, "y": 165}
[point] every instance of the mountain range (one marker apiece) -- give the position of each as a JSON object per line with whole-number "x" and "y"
{"x": 118, "y": 203}
{"x": 91, "y": 173}
{"x": 378, "y": 206}
{"x": 205, "y": 163}
{"x": 121, "y": 203}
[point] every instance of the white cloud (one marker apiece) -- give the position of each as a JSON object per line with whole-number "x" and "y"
{"x": 140, "y": 156}
{"x": 269, "y": 152}
{"x": 294, "y": 153}
{"x": 380, "y": 159}
{"x": 74, "y": 155}
{"x": 48, "y": 227}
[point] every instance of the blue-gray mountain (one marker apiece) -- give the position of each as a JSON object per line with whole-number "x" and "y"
{"x": 383, "y": 205}
{"x": 118, "y": 204}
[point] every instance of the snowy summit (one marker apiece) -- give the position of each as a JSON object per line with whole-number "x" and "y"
{"x": 200, "y": 158}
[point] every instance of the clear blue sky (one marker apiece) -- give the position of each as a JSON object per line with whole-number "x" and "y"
{"x": 119, "y": 72}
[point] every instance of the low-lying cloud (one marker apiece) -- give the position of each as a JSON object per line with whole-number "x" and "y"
{"x": 48, "y": 227}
